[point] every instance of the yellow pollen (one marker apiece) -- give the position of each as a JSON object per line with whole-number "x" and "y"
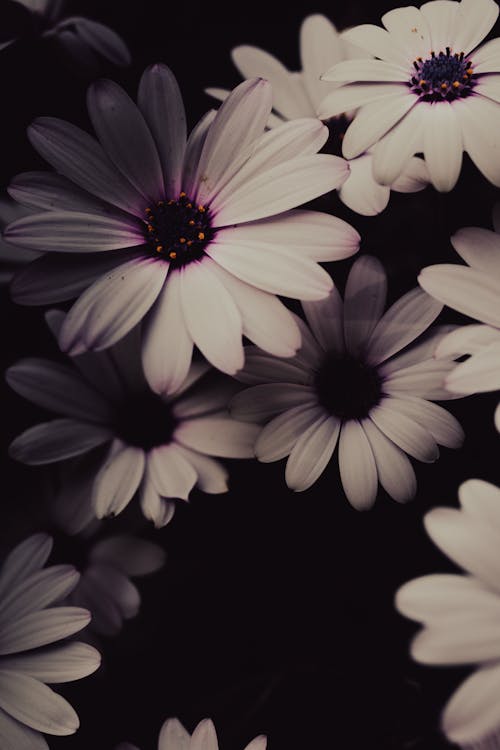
{"x": 469, "y": 71}
{"x": 456, "y": 84}
{"x": 159, "y": 248}
{"x": 465, "y": 77}
{"x": 189, "y": 243}
{"x": 170, "y": 203}
{"x": 160, "y": 203}
{"x": 191, "y": 222}
{"x": 172, "y": 255}
{"x": 201, "y": 235}
{"x": 422, "y": 82}
{"x": 444, "y": 86}
{"x": 182, "y": 195}
{"x": 201, "y": 209}
{"x": 182, "y": 240}
{"x": 148, "y": 211}
{"x": 189, "y": 205}
{"x": 150, "y": 227}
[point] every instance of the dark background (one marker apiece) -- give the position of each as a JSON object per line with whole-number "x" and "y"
{"x": 274, "y": 613}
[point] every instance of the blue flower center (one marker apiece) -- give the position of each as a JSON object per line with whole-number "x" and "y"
{"x": 443, "y": 77}
{"x": 178, "y": 230}
{"x": 347, "y": 387}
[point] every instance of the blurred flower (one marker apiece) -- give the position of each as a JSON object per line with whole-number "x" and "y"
{"x": 173, "y": 736}
{"x": 346, "y": 386}
{"x": 196, "y": 238}
{"x": 461, "y": 614}
{"x": 474, "y": 291}
{"x": 11, "y": 257}
{"x": 105, "y": 588}
{"x": 159, "y": 446}
{"x": 297, "y": 95}
{"x": 86, "y": 41}
{"x": 28, "y": 622}
{"x": 432, "y": 90}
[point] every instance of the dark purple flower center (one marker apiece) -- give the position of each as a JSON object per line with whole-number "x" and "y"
{"x": 347, "y": 387}
{"x": 443, "y": 77}
{"x": 178, "y": 230}
{"x": 145, "y": 421}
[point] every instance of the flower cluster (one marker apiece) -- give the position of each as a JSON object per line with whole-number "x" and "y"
{"x": 206, "y": 321}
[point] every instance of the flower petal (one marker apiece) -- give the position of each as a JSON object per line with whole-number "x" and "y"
{"x": 14, "y": 734}
{"x": 480, "y": 140}
{"x": 479, "y": 248}
{"x": 475, "y": 20}
{"x": 444, "y": 428}
{"x": 325, "y": 318}
{"x": 36, "y": 705}
{"x": 102, "y": 39}
{"x": 173, "y": 736}
{"x": 478, "y": 374}
{"x": 405, "y": 432}
{"x": 171, "y": 472}
{"x": 442, "y": 145}
{"x": 358, "y": 470}
{"x": 352, "y": 96}
{"x": 374, "y": 120}
{"x": 360, "y": 192}
{"x": 279, "y": 436}
{"x": 56, "y": 441}
{"x": 212, "y": 475}
{"x": 467, "y": 290}
{"x": 268, "y": 399}
{"x": 218, "y": 436}
{"x": 395, "y": 472}
{"x": 118, "y": 479}
{"x": 41, "y": 628}
{"x": 311, "y": 453}
{"x": 366, "y": 70}
{"x": 364, "y": 302}
{"x": 472, "y": 713}
{"x": 65, "y": 663}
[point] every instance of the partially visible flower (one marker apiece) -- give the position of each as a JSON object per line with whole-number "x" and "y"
{"x": 140, "y": 441}
{"x": 86, "y": 41}
{"x": 11, "y": 256}
{"x": 352, "y": 385}
{"x": 297, "y": 95}
{"x": 475, "y": 291}
{"x": 195, "y": 237}
{"x": 29, "y": 625}
{"x": 461, "y": 613}
{"x": 173, "y": 736}
{"x": 430, "y": 90}
{"x": 105, "y": 588}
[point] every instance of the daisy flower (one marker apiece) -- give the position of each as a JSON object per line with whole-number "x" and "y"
{"x": 86, "y": 41}
{"x": 12, "y": 257}
{"x": 475, "y": 291}
{"x": 430, "y": 90}
{"x": 461, "y": 613}
{"x": 196, "y": 238}
{"x": 297, "y": 95}
{"x": 29, "y": 621}
{"x": 351, "y": 385}
{"x": 135, "y": 439}
{"x": 105, "y": 587}
{"x": 173, "y": 736}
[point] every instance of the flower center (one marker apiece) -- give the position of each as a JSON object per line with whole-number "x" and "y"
{"x": 145, "y": 421}
{"x": 178, "y": 230}
{"x": 443, "y": 77}
{"x": 347, "y": 387}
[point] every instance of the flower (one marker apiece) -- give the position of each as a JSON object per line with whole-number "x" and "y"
{"x": 346, "y": 386}
{"x": 161, "y": 446}
{"x": 10, "y": 256}
{"x": 86, "y": 41}
{"x": 173, "y": 736}
{"x": 431, "y": 90}
{"x": 28, "y": 622}
{"x": 105, "y": 588}
{"x": 461, "y": 614}
{"x": 196, "y": 238}
{"x": 297, "y": 95}
{"x": 474, "y": 291}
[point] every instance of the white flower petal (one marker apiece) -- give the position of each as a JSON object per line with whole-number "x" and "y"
{"x": 321, "y": 46}
{"x": 135, "y": 557}
{"x": 481, "y": 500}
{"x": 409, "y": 27}
{"x": 39, "y": 590}
{"x": 285, "y": 186}
{"x": 261, "y": 368}
{"x": 378, "y": 42}
{"x": 33, "y": 703}
{"x": 279, "y": 436}
{"x": 403, "y": 322}
{"x": 65, "y": 663}
{"x": 442, "y": 18}
{"x": 475, "y": 20}
{"x": 212, "y": 318}
{"x": 467, "y": 290}
{"x": 57, "y": 440}
{"x": 360, "y": 192}
{"x": 76, "y": 155}
{"x": 160, "y": 102}
{"x": 353, "y": 96}
{"x": 472, "y": 715}
{"x": 393, "y": 152}
{"x": 167, "y": 347}
{"x": 442, "y": 425}
{"x": 366, "y": 70}
{"x": 311, "y": 453}
{"x": 212, "y": 475}
{"x": 442, "y": 145}
{"x": 155, "y": 508}
{"x": 268, "y": 399}
{"x": 204, "y": 737}
{"x": 218, "y": 436}
{"x": 432, "y": 598}
{"x": 471, "y": 638}
{"x": 125, "y": 137}
{"x": 25, "y": 559}
{"x": 469, "y": 339}
{"x": 413, "y": 178}
{"x": 41, "y": 628}
{"x": 374, "y": 120}
{"x": 14, "y": 734}
{"x": 480, "y": 140}
{"x": 479, "y": 248}
{"x": 102, "y": 39}
{"x": 422, "y": 350}
{"x": 364, "y": 302}
{"x": 112, "y": 306}
{"x": 118, "y": 479}
{"x": 170, "y": 471}
{"x": 325, "y": 319}
{"x": 358, "y": 470}
{"x": 173, "y": 736}
{"x": 426, "y": 379}
{"x": 478, "y": 374}
{"x": 405, "y": 432}
{"x": 395, "y": 472}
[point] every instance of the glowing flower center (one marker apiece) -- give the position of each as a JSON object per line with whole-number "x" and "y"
{"x": 347, "y": 387}
{"x": 145, "y": 421}
{"x": 443, "y": 77}
{"x": 178, "y": 230}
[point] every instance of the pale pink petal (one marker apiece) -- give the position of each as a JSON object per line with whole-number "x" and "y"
{"x": 325, "y": 318}
{"x": 36, "y": 705}
{"x": 471, "y": 714}
{"x": 218, "y": 436}
{"x": 475, "y": 20}
{"x": 269, "y": 399}
{"x": 374, "y": 120}
{"x": 395, "y": 472}
{"x": 405, "y": 432}
{"x": 56, "y": 441}
{"x": 360, "y": 192}
{"x": 118, "y": 479}
{"x": 212, "y": 476}
{"x": 311, "y": 453}
{"x": 171, "y": 472}
{"x": 358, "y": 470}
{"x": 279, "y": 436}
{"x": 479, "y": 248}
{"x": 478, "y": 374}
{"x": 364, "y": 302}
{"x": 173, "y": 736}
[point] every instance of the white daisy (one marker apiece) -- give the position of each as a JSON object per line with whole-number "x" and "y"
{"x": 461, "y": 614}
{"x": 159, "y": 446}
{"x": 11, "y": 257}
{"x": 431, "y": 90}
{"x": 173, "y": 736}
{"x": 105, "y": 588}
{"x": 474, "y": 291}
{"x": 86, "y": 41}
{"x": 297, "y": 95}
{"x": 196, "y": 238}
{"x": 346, "y": 386}
{"x": 29, "y": 621}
